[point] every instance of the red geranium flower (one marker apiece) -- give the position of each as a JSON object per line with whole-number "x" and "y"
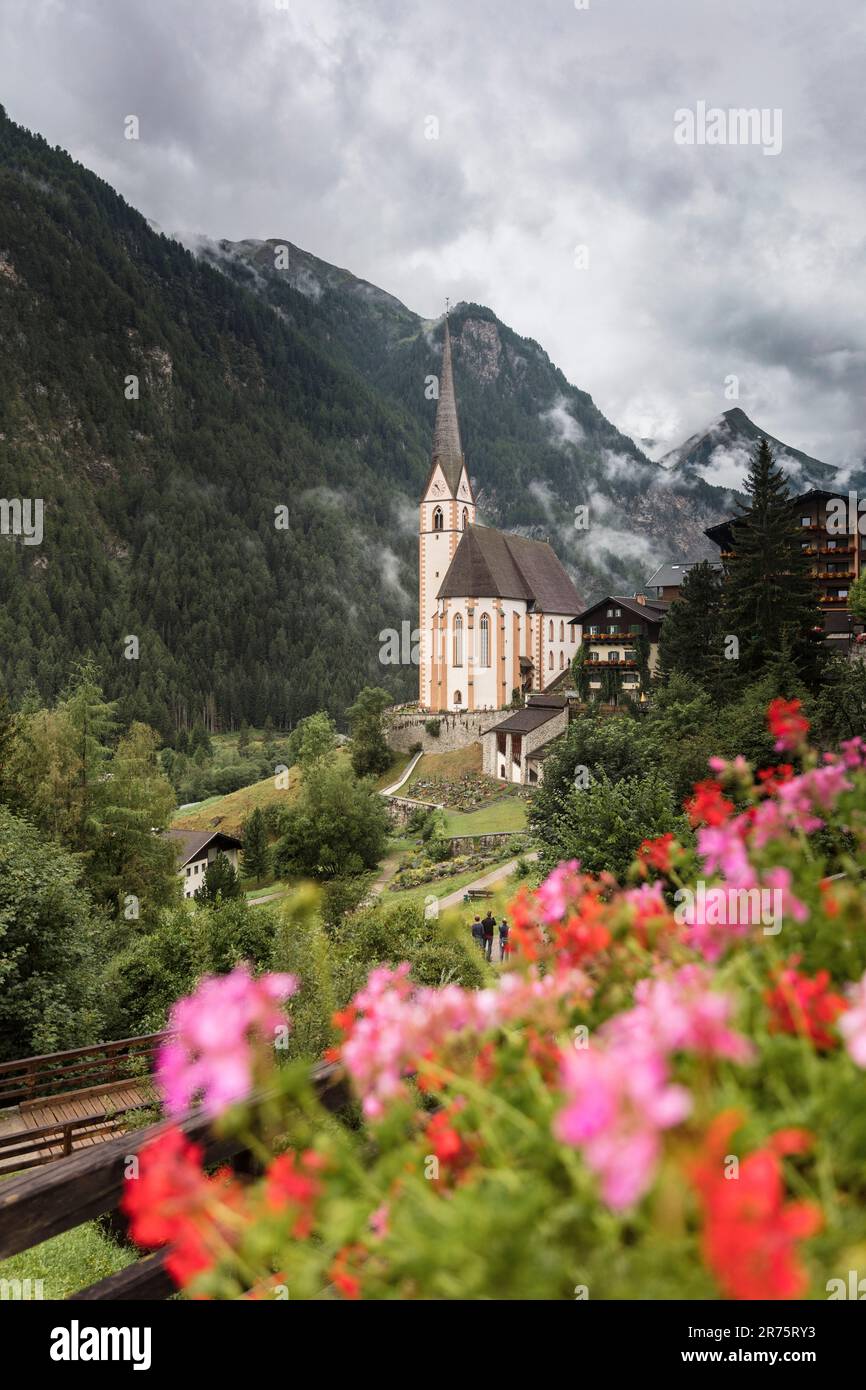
{"x": 786, "y": 724}
{"x": 173, "y": 1202}
{"x": 804, "y": 1006}
{"x": 453, "y": 1150}
{"x": 709, "y": 805}
{"x": 657, "y": 853}
{"x": 750, "y": 1232}
{"x": 291, "y": 1182}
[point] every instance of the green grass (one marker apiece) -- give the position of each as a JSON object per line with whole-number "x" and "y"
{"x": 445, "y": 767}
{"x": 507, "y": 814}
{"x": 440, "y": 887}
{"x": 69, "y": 1262}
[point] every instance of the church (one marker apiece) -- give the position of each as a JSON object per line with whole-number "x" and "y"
{"x": 497, "y": 611}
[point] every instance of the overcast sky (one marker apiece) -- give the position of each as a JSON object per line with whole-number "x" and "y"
{"x": 308, "y": 120}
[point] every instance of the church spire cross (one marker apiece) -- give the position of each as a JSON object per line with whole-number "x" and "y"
{"x": 447, "y": 448}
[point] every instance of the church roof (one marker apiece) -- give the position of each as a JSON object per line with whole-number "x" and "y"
{"x": 498, "y": 564}
{"x": 447, "y": 448}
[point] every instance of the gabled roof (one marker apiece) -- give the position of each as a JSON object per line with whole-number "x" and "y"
{"x": 191, "y": 844}
{"x": 652, "y": 611}
{"x": 523, "y": 721}
{"x": 498, "y": 564}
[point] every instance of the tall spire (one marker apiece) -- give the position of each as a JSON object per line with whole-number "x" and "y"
{"x": 447, "y": 449}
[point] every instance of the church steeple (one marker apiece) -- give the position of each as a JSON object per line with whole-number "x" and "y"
{"x": 447, "y": 448}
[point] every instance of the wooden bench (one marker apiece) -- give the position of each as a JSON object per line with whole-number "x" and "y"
{"x": 474, "y": 895}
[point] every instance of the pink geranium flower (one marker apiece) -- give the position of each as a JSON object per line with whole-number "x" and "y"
{"x": 618, "y": 1102}
{"x": 852, "y": 1025}
{"x": 210, "y": 1054}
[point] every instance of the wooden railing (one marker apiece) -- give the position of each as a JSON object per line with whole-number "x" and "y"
{"x": 34, "y": 1078}
{"x": 89, "y": 1183}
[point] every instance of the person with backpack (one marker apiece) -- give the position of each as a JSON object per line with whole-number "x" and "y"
{"x": 489, "y": 925}
{"x": 478, "y": 933}
{"x": 503, "y": 938}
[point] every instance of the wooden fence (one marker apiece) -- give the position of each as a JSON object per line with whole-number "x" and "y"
{"x": 89, "y": 1183}
{"x": 34, "y": 1078}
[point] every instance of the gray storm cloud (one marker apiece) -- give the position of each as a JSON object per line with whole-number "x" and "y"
{"x": 555, "y": 131}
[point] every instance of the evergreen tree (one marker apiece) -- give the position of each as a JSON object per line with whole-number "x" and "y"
{"x": 691, "y": 637}
{"x": 221, "y": 881}
{"x": 256, "y": 861}
{"x": 370, "y": 751}
{"x": 768, "y": 592}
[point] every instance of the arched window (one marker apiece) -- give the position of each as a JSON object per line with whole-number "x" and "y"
{"x": 562, "y": 661}
{"x": 438, "y": 521}
{"x": 551, "y": 629}
{"x": 458, "y": 697}
{"x": 550, "y": 661}
{"x": 458, "y": 641}
{"x": 561, "y": 630}
{"x": 464, "y": 520}
{"x": 484, "y": 629}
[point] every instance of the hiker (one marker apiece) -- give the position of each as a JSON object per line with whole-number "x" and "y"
{"x": 503, "y": 938}
{"x": 489, "y": 926}
{"x": 478, "y": 933}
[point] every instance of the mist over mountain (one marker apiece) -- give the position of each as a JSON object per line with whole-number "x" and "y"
{"x": 720, "y": 455}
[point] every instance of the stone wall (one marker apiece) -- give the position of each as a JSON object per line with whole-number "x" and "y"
{"x": 401, "y": 808}
{"x": 469, "y": 844}
{"x": 404, "y": 730}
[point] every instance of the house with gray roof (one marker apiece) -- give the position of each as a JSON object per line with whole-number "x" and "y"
{"x": 196, "y": 849}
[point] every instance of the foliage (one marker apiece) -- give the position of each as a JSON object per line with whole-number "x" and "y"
{"x": 221, "y": 882}
{"x": 50, "y": 941}
{"x": 691, "y": 636}
{"x": 769, "y": 597}
{"x": 256, "y": 861}
{"x": 601, "y": 825}
{"x": 337, "y": 827}
{"x": 142, "y": 981}
{"x": 370, "y": 752}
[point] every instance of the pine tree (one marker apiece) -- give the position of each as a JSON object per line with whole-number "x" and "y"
{"x": 691, "y": 638}
{"x": 768, "y": 589}
{"x": 220, "y": 881}
{"x": 256, "y": 862}
{"x": 370, "y": 751}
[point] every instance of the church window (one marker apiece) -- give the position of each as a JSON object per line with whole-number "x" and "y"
{"x": 550, "y": 661}
{"x": 464, "y": 520}
{"x": 484, "y": 630}
{"x": 561, "y": 660}
{"x": 458, "y": 697}
{"x": 551, "y": 630}
{"x": 561, "y": 630}
{"x": 438, "y": 520}
{"x": 458, "y": 641}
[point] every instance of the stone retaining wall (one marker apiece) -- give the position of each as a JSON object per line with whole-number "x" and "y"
{"x": 405, "y": 730}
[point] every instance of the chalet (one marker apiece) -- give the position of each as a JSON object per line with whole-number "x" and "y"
{"x": 198, "y": 848}
{"x": 620, "y": 645}
{"x": 514, "y": 749}
{"x": 837, "y": 554}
